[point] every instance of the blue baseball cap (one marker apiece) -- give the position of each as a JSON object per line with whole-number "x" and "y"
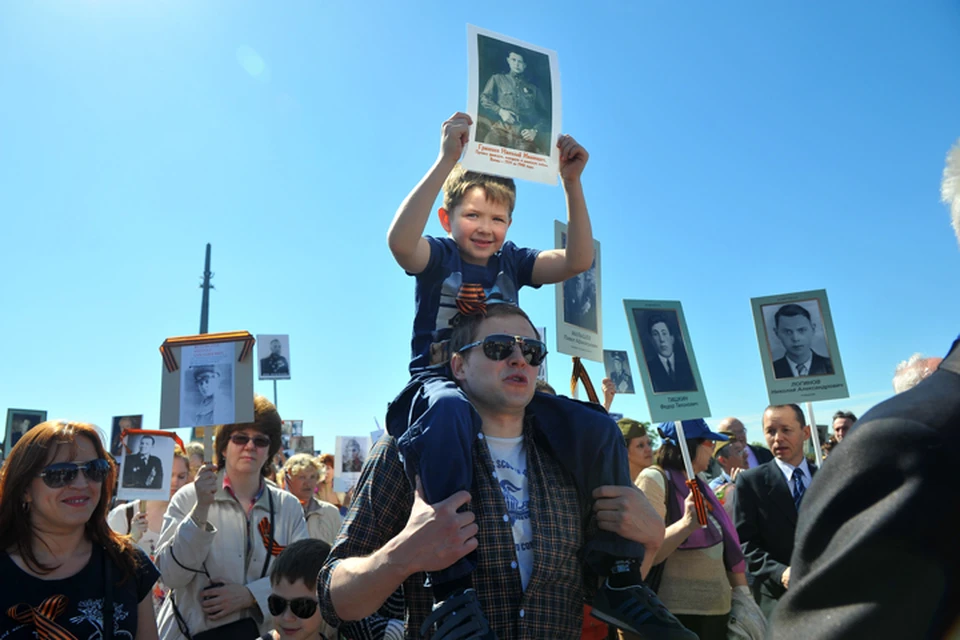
{"x": 691, "y": 429}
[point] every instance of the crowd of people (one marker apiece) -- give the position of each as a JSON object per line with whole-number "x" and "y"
{"x": 493, "y": 507}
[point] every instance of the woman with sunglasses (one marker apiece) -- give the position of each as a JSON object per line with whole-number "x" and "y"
{"x": 221, "y": 533}
{"x": 65, "y": 572}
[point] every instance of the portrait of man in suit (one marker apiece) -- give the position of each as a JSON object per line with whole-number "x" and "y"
{"x": 767, "y": 500}
{"x": 795, "y": 328}
{"x": 142, "y": 470}
{"x": 274, "y": 364}
{"x": 666, "y": 356}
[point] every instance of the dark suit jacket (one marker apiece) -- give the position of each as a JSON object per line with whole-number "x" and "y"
{"x": 877, "y": 553}
{"x": 137, "y": 473}
{"x": 766, "y": 518}
{"x": 682, "y": 375}
{"x": 819, "y": 366}
{"x": 763, "y": 454}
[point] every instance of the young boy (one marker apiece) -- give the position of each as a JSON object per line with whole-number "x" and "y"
{"x": 435, "y": 425}
{"x": 293, "y": 601}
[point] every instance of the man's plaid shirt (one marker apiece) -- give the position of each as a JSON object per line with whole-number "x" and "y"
{"x": 552, "y": 605}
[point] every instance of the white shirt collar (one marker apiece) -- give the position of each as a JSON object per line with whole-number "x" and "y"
{"x": 787, "y": 471}
{"x": 794, "y": 365}
{"x": 672, "y": 366}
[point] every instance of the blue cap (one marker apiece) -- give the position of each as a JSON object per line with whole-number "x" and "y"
{"x": 691, "y": 429}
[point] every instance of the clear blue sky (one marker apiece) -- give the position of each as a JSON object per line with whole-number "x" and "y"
{"x": 737, "y": 150}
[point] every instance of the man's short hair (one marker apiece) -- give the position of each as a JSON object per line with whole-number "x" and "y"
{"x": 150, "y": 438}
{"x": 300, "y": 560}
{"x": 544, "y": 387}
{"x": 466, "y": 328}
{"x": 796, "y": 410}
{"x": 846, "y": 415}
{"x": 656, "y": 319}
{"x": 497, "y": 190}
{"x": 790, "y": 310}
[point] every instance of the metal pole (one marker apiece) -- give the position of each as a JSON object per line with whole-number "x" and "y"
{"x": 275, "y": 393}
{"x": 815, "y": 434}
{"x": 206, "y": 286}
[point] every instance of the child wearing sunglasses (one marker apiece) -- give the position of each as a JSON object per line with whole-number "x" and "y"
{"x": 293, "y": 597}
{"x": 435, "y": 425}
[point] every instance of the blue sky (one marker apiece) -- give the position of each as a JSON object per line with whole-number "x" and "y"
{"x": 737, "y": 150}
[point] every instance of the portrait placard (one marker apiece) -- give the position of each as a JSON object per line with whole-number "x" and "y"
{"x": 19, "y": 421}
{"x": 665, "y": 359}
{"x": 579, "y": 320}
{"x": 117, "y": 426}
{"x": 146, "y": 468}
{"x": 798, "y": 348}
{"x": 616, "y": 364}
{"x": 513, "y": 97}
{"x": 302, "y": 444}
{"x": 542, "y": 334}
{"x": 207, "y": 380}
{"x": 273, "y": 352}
{"x": 290, "y": 429}
{"x": 348, "y": 460}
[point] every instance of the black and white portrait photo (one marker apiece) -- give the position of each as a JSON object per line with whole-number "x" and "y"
{"x": 664, "y": 350}
{"x": 273, "y": 352}
{"x": 349, "y": 455}
{"x": 290, "y": 430}
{"x": 119, "y": 424}
{"x": 797, "y": 342}
{"x": 206, "y": 387}
{"x": 616, "y": 364}
{"x": 145, "y": 466}
{"x": 303, "y": 444}
{"x": 19, "y": 421}
{"x": 580, "y": 297}
{"x": 352, "y": 460}
{"x": 515, "y": 100}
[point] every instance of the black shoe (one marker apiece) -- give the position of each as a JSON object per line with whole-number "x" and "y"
{"x": 637, "y": 609}
{"x": 459, "y": 617}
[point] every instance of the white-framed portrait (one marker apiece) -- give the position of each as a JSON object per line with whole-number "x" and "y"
{"x": 146, "y": 467}
{"x": 273, "y": 354}
{"x": 19, "y": 421}
{"x": 616, "y": 365}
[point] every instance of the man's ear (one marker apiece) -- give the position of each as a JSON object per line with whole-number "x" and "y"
{"x": 806, "y": 432}
{"x": 444, "y": 219}
{"x": 457, "y": 364}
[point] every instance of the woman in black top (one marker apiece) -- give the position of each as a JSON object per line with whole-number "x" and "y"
{"x": 66, "y": 574}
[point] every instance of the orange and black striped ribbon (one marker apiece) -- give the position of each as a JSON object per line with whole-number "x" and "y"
{"x": 271, "y": 546}
{"x": 471, "y": 300}
{"x": 42, "y": 618}
{"x": 580, "y": 375}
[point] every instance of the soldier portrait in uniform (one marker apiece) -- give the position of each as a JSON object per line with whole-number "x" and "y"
{"x": 141, "y": 469}
{"x": 119, "y": 425}
{"x": 208, "y": 400}
{"x": 515, "y": 100}
{"x": 19, "y": 421}
{"x": 274, "y": 355}
{"x": 617, "y": 367}
{"x": 352, "y": 456}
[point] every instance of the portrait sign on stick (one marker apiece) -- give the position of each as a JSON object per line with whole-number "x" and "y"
{"x": 146, "y": 468}
{"x": 616, "y": 364}
{"x": 665, "y": 359}
{"x": 118, "y": 425}
{"x": 579, "y": 321}
{"x": 19, "y": 421}
{"x": 273, "y": 352}
{"x": 798, "y": 348}
{"x": 542, "y": 373}
{"x": 513, "y": 97}
{"x": 349, "y": 457}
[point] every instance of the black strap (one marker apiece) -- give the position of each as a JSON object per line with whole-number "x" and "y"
{"x": 266, "y": 562}
{"x": 107, "y": 632}
{"x": 181, "y": 623}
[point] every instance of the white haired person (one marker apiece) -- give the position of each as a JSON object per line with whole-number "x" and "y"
{"x": 875, "y": 552}
{"x": 302, "y": 476}
{"x": 910, "y": 372}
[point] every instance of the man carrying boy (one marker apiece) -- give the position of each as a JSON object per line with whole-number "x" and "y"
{"x": 391, "y": 534}
{"x": 436, "y": 427}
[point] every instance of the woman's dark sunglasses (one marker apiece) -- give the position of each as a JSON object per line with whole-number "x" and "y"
{"x": 301, "y": 607}
{"x": 63, "y": 473}
{"x": 241, "y": 440}
{"x": 499, "y": 346}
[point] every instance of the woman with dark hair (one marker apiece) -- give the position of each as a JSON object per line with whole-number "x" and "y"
{"x": 65, "y": 572}
{"x": 701, "y": 566}
{"x": 221, "y": 532}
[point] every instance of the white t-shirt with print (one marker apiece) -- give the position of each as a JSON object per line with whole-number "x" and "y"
{"x": 510, "y": 461}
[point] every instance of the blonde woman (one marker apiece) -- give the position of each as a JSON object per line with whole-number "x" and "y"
{"x": 301, "y": 475}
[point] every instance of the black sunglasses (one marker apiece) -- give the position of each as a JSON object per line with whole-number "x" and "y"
{"x": 63, "y": 473}
{"x": 499, "y": 346}
{"x": 301, "y": 607}
{"x": 241, "y": 440}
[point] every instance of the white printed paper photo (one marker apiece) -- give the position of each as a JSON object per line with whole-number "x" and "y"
{"x": 616, "y": 364}
{"x": 145, "y": 468}
{"x": 349, "y": 457}
{"x": 206, "y": 384}
{"x": 513, "y": 96}
{"x": 273, "y": 352}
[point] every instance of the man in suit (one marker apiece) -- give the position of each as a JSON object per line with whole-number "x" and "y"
{"x": 766, "y": 501}
{"x": 877, "y": 552}
{"x": 143, "y": 471}
{"x": 795, "y": 330}
{"x": 669, "y": 368}
{"x": 755, "y": 456}
{"x": 274, "y": 364}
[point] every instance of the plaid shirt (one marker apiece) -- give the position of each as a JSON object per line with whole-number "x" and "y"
{"x": 552, "y": 605}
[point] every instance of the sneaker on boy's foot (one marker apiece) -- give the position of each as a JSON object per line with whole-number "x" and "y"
{"x": 459, "y": 617}
{"x": 637, "y": 609}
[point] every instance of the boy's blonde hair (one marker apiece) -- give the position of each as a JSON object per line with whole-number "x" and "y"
{"x": 497, "y": 190}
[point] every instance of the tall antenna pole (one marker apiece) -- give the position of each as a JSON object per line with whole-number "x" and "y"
{"x": 206, "y": 286}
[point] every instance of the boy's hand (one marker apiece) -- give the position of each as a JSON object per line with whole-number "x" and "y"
{"x": 573, "y": 158}
{"x": 455, "y": 133}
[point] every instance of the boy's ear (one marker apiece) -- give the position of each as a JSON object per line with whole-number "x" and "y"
{"x": 444, "y": 219}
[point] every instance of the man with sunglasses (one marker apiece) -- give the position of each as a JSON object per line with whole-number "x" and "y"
{"x": 527, "y": 512}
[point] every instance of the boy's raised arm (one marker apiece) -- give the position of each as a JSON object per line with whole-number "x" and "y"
{"x": 405, "y": 236}
{"x": 557, "y": 265}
